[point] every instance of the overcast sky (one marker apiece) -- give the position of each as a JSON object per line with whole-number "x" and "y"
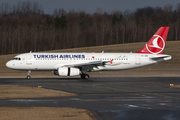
{"x": 90, "y": 6}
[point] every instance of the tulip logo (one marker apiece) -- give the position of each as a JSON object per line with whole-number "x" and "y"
{"x": 156, "y": 45}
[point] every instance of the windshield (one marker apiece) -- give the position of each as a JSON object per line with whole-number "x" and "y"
{"x": 16, "y": 58}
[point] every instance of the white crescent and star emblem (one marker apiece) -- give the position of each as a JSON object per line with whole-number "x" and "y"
{"x": 156, "y": 47}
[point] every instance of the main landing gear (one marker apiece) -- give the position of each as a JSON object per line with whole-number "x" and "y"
{"x": 29, "y": 75}
{"x": 84, "y": 76}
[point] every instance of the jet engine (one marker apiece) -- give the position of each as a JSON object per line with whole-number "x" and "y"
{"x": 67, "y": 71}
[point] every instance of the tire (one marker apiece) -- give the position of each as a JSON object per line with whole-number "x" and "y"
{"x": 86, "y": 76}
{"x": 82, "y": 76}
{"x": 28, "y": 77}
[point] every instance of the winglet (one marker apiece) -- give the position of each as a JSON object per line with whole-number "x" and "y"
{"x": 157, "y": 43}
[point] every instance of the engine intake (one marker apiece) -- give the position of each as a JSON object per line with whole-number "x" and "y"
{"x": 67, "y": 71}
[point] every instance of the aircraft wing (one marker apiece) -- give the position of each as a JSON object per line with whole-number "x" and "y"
{"x": 88, "y": 65}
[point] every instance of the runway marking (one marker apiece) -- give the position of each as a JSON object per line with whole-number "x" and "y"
{"x": 132, "y": 105}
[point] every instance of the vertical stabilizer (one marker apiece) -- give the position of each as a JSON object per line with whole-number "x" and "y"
{"x": 157, "y": 43}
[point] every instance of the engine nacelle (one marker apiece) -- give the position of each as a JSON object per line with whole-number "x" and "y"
{"x": 67, "y": 71}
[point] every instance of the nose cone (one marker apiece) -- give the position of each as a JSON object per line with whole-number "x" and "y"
{"x": 9, "y": 64}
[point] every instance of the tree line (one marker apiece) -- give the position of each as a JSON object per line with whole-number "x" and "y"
{"x": 24, "y": 27}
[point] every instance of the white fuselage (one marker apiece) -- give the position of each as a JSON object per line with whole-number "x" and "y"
{"x": 114, "y": 61}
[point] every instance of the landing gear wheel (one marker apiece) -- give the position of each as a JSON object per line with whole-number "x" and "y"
{"x": 84, "y": 76}
{"x": 28, "y": 77}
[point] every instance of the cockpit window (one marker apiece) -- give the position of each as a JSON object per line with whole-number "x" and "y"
{"x": 16, "y": 58}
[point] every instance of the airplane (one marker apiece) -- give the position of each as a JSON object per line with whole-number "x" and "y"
{"x": 75, "y": 64}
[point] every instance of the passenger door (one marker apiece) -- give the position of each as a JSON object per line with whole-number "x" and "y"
{"x": 28, "y": 59}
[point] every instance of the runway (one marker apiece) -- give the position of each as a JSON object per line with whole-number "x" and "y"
{"x": 124, "y": 98}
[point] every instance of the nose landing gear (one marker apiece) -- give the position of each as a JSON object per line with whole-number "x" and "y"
{"x": 29, "y": 75}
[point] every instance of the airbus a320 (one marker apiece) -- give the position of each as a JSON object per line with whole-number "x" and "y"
{"x": 75, "y": 64}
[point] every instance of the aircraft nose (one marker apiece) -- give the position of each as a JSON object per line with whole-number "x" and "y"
{"x": 9, "y": 64}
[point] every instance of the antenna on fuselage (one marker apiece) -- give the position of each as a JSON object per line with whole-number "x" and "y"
{"x": 102, "y": 51}
{"x": 30, "y": 52}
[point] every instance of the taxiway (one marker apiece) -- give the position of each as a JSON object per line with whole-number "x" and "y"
{"x": 109, "y": 98}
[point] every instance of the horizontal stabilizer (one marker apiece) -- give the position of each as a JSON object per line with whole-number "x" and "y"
{"x": 160, "y": 59}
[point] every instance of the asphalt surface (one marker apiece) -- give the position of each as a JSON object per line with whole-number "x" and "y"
{"x": 126, "y": 98}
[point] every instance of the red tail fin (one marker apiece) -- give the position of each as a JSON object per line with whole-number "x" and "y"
{"x": 157, "y": 43}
